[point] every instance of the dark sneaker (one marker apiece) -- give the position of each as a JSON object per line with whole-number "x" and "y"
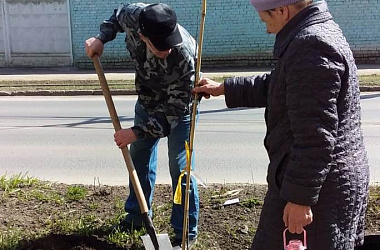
{"x": 126, "y": 227}
{"x": 177, "y": 243}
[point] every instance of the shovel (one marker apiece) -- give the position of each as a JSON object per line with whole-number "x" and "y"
{"x": 162, "y": 241}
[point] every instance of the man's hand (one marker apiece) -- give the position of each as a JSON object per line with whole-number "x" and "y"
{"x": 296, "y": 217}
{"x": 93, "y": 46}
{"x": 124, "y": 137}
{"x": 209, "y": 87}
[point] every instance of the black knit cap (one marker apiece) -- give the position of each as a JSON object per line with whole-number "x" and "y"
{"x": 158, "y": 22}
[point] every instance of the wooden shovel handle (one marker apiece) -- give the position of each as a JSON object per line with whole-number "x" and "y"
{"x": 116, "y": 124}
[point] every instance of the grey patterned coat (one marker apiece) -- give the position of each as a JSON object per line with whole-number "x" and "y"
{"x": 314, "y": 138}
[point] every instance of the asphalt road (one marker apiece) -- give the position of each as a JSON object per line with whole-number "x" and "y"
{"x": 70, "y": 140}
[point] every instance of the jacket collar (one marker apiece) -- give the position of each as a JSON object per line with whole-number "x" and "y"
{"x": 315, "y": 13}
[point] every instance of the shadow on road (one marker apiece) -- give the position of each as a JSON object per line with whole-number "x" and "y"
{"x": 91, "y": 120}
{"x": 371, "y": 96}
{"x": 87, "y": 121}
{"x": 212, "y": 111}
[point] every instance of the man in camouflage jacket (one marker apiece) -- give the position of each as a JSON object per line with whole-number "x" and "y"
{"x": 164, "y": 55}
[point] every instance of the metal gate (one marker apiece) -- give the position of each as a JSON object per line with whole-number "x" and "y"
{"x": 35, "y": 33}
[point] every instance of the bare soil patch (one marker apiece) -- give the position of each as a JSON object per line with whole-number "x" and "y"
{"x": 43, "y": 217}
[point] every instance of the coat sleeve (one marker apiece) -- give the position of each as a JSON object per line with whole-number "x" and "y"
{"x": 124, "y": 18}
{"x": 249, "y": 91}
{"x": 313, "y": 77}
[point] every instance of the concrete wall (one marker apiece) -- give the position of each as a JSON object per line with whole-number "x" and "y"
{"x": 35, "y": 33}
{"x": 234, "y": 34}
{"x": 2, "y": 35}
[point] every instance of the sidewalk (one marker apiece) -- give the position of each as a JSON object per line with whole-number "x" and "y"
{"x": 30, "y": 75}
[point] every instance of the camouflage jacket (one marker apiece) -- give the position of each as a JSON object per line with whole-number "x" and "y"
{"x": 163, "y": 85}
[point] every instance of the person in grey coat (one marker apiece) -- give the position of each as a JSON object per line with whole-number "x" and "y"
{"x": 318, "y": 173}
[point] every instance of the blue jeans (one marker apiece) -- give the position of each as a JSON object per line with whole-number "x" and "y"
{"x": 144, "y": 156}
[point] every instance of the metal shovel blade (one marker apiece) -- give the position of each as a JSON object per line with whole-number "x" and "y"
{"x": 163, "y": 242}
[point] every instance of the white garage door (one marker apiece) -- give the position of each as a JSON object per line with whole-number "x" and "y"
{"x": 36, "y": 33}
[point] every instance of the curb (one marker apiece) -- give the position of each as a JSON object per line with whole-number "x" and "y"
{"x": 369, "y": 88}
{"x": 113, "y": 92}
